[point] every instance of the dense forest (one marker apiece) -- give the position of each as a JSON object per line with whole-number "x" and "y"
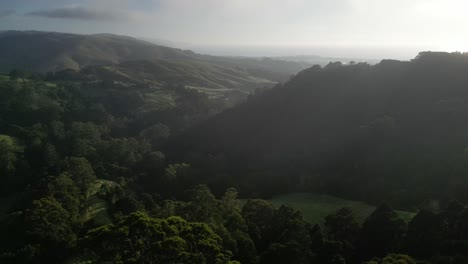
{"x": 100, "y": 168}
{"x": 390, "y": 132}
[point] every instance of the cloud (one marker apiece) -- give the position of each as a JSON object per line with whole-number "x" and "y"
{"x": 80, "y": 13}
{"x": 5, "y": 13}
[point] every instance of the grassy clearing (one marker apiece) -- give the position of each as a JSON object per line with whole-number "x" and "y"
{"x": 49, "y": 84}
{"x": 208, "y": 90}
{"x": 316, "y": 207}
{"x": 159, "y": 100}
{"x": 116, "y": 71}
{"x": 212, "y": 93}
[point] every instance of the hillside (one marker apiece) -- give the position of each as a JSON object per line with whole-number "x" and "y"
{"x": 47, "y": 51}
{"x": 392, "y": 131}
{"x": 88, "y": 168}
{"x": 38, "y": 51}
{"x": 195, "y": 74}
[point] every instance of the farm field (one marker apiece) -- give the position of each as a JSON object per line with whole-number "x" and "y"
{"x": 316, "y": 207}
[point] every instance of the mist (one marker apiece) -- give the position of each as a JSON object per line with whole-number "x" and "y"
{"x": 341, "y": 28}
{"x": 336, "y": 51}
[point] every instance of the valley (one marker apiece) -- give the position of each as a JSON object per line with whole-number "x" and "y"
{"x": 116, "y": 150}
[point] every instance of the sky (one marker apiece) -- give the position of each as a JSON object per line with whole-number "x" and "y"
{"x": 340, "y": 28}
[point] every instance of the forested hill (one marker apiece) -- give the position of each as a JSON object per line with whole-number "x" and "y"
{"x": 89, "y": 176}
{"x": 393, "y": 131}
{"x": 43, "y": 52}
{"x": 48, "y": 51}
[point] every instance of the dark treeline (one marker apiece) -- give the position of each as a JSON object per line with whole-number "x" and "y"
{"x": 392, "y": 132}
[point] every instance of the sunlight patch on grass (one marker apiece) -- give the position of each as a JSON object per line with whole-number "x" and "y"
{"x": 316, "y": 207}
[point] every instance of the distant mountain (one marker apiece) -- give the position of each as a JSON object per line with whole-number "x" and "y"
{"x": 272, "y": 69}
{"x": 167, "y": 43}
{"x": 394, "y": 131}
{"x": 319, "y": 60}
{"x": 48, "y": 51}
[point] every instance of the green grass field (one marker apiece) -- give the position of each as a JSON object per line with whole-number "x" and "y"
{"x": 159, "y": 100}
{"x": 212, "y": 93}
{"x": 316, "y": 207}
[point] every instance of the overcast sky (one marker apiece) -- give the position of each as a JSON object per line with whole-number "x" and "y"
{"x": 395, "y": 28}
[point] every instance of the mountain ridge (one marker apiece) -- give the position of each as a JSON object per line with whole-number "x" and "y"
{"x": 31, "y": 50}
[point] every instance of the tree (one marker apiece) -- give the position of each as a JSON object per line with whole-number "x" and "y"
{"x": 49, "y": 229}
{"x": 203, "y": 206}
{"x": 451, "y": 216}
{"x": 393, "y": 259}
{"x": 83, "y": 139}
{"x": 80, "y": 171}
{"x": 7, "y": 162}
{"x": 141, "y": 239}
{"x": 65, "y": 191}
{"x": 50, "y": 156}
{"x": 231, "y": 211}
{"x": 342, "y": 226}
{"x": 153, "y": 162}
{"x": 282, "y": 253}
{"x": 176, "y": 177}
{"x": 127, "y": 205}
{"x": 454, "y": 228}
{"x": 381, "y": 233}
{"x": 122, "y": 151}
{"x": 425, "y": 234}
{"x": 156, "y": 134}
{"x": 246, "y": 252}
{"x": 259, "y": 217}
